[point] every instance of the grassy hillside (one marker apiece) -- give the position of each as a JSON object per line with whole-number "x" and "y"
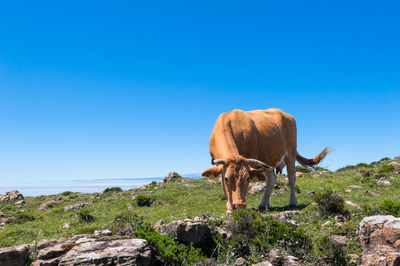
{"x": 44, "y": 217}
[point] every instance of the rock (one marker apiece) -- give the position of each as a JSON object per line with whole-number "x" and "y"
{"x": 187, "y": 232}
{"x": 171, "y": 177}
{"x": 66, "y": 225}
{"x": 55, "y": 250}
{"x": 374, "y": 193}
{"x": 326, "y": 224}
{"x": 299, "y": 174}
{"x": 98, "y": 233}
{"x": 14, "y": 256}
{"x": 11, "y": 196}
{"x": 130, "y": 206}
{"x": 74, "y": 207}
{"x": 384, "y": 182}
{"x": 20, "y": 202}
{"x": 291, "y": 261}
{"x": 339, "y": 240}
{"x": 352, "y": 204}
{"x": 275, "y": 256}
{"x": 49, "y": 204}
{"x": 240, "y": 261}
{"x": 225, "y": 233}
{"x": 380, "y": 238}
{"x": 353, "y": 258}
{"x": 393, "y": 163}
{"x": 159, "y": 224}
{"x": 285, "y": 217}
{"x": 113, "y": 252}
{"x": 382, "y": 255}
{"x": 340, "y": 218}
{"x": 311, "y": 194}
{"x": 355, "y": 186}
{"x": 263, "y": 263}
{"x": 347, "y": 190}
{"x": 256, "y": 187}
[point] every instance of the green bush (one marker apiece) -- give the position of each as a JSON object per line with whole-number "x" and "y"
{"x": 334, "y": 252}
{"x": 391, "y": 207}
{"x": 386, "y": 168}
{"x": 85, "y": 215}
{"x": 329, "y": 202}
{"x": 168, "y": 251}
{"x": 66, "y": 193}
{"x": 302, "y": 169}
{"x": 112, "y": 189}
{"x": 254, "y": 235}
{"x": 21, "y": 218}
{"x": 144, "y": 200}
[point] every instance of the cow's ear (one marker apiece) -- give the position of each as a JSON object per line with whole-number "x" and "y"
{"x": 256, "y": 174}
{"x": 213, "y": 172}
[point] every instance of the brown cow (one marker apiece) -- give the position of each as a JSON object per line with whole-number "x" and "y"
{"x": 246, "y": 145}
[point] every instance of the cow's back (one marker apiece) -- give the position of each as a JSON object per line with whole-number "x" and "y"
{"x": 261, "y": 134}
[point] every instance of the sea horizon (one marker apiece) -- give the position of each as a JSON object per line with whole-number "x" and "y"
{"x": 44, "y": 188}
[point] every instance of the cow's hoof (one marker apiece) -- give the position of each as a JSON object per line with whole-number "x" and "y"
{"x": 262, "y": 208}
{"x": 228, "y": 213}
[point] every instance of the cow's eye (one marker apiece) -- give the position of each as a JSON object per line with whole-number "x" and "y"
{"x": 226, "y": 179}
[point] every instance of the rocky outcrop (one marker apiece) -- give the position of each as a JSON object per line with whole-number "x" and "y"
{"x": 256, "y": 187}
{"x": 189, "y": 231}
{"x": 88, "y": 249}
{"x": 112, "y": 252}
{"x": 380, "y": 239}
{"x": 74, "y": 207}
{"x": 14, "y": 256}
{"x": 171, "y": 177}
{"x": 10, "y": 196}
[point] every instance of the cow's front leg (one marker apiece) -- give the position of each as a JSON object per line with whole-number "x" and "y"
{"x": 270, "y": 182}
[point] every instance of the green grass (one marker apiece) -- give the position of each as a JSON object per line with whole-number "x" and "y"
{"x": 180, "y": 200}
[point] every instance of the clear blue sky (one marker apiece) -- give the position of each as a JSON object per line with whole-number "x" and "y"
{"x": 111, "y": 89}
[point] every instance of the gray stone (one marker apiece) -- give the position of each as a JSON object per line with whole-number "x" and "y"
{"x": 254, "y": 188}
{"x": 380, "y": 238}
{"x": 187, "y": 232}
{"x": 11, "y": 196}
{"x": 384, "y": 182}
{"x": 113, "y": 252}
{"x": 171, "y": 177}
{"x": 74, "y": 207}
{"x": 14, "y": 256}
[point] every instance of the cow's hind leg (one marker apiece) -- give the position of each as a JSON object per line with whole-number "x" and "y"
{"x": 270, "y": 182}
{"x": 290, "y": 163}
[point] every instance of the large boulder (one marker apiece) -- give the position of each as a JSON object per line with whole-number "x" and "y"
{"x": 380, "y": 239}
{"x": 171, "y": 177}
{"x": 10, "y": 196}
{"x": 188, "y": 231}
{"x": 14, "y": 256}
{"x": 113, "y": 252}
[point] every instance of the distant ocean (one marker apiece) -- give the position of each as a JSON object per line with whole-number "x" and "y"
{"x": 84, "y": 186}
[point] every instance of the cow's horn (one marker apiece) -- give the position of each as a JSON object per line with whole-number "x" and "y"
{"x": 218, "y": 161}
{"x": 257, "y": 164}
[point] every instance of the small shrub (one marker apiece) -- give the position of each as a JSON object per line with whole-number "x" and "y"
{"x": 391, "y": 207}
{"x": 112, "y": 189}
{"x": 21, "y": 218}
{"x": 254, "y": 235}
{"x": 302, "y": 169}
{"x": 384, "y": 159}
{"x": 329, "y": 202}
{"x": 334, "y": 251}
{"x": 386, "y": 168}
{"x": 144, "y": 200}
{"x": 73, "y": 196}
{"x": 84, "y": 215}
{"x": 66, "y": 193}
{"x": 168, "y": 251}
{"x": 363, "y": 165}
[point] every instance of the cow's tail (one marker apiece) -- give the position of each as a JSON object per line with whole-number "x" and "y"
{"x": 312, "y": 162}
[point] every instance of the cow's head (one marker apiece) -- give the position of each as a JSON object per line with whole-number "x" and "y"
{"x": 236, "y": 175}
